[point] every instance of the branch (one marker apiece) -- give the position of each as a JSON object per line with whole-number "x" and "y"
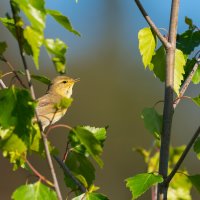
{"x": 69, "y": 173}
{"x": 44, "y": 138}
{"x": 41, "y": 177}
{"x": 168, "y": 104}
{"x": 152, "y": 25}
{"x": 181, "y": 159}
{"x": 13, "y": 71}
{"x": 186, "y": 83}
{"x": 2, "y": 85}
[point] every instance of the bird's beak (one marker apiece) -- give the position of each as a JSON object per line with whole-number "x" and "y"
{"x": 76, "y": 80}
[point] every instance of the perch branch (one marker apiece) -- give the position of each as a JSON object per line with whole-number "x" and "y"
{"x": 44, "y": 138}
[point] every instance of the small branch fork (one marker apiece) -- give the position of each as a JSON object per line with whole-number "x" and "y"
{"x": 44, "y": 138}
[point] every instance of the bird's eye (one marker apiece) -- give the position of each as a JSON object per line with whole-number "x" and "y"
{"x": 64, "y": 81}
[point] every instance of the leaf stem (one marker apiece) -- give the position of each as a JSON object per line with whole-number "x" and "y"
{"x": 13, "y": 71}
{"x": 44, "y": 138}
{"x": 152, "y": 25}
{"x": 181, "y": 159}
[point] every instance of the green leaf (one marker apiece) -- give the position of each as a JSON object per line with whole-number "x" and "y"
{"x": 195, "y": 180}
{"x": 141, "y": 183}
{"x": 80, "y": 166}
{"x": 91, "y": 196}
{"x": 152, "y": 121}
{"x": 158, "y": 63}
{"x": 147, "y": 45}
{"x": 17, "y": 111}
{"x": 179, "y": 70}
{"x": 57, "y": 49}
{"x": 196, "y": 100}
{"x": 35, "y": 12}
{"x": 13, "y": 148}
{"x": 197, "y": 147}
{"x": 42, "y": 79}
{"x": 10, "y": 25}
{"x": 89, "y": 141}
{"x": 62, "y": 20}
{"x": 35, "y": 191}
{"x": 187, "y": 41}
{"x": 189, "y": 22}
{"x": 180, "y": 187}
{"x": 64, "y": 103}
{"x": 196, "y": 77}
{"x": 35, "y": 40}
{"x": 99, "y": 133}
{"x": 3, "y": 47}
{"x": 175, "y": 153}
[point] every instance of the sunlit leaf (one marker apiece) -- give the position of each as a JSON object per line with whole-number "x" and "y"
{"x": 179, "y": 70}
{"x": 63, "y": 20}
{"x": 34, "y": 11}
{"x": 57, "y": 49}
{"x": 92, "y": 145}
{"x": 10, "y": 25}
{"x": 147, "y": 45}
{"x": 140, "y": 183}
{"x": 35, "y": 191}
{"x": 64, "y": 103}
{"x": 180, "y": 187}
{"x": 152, "y": 121}
{"x": 35, "y": 40}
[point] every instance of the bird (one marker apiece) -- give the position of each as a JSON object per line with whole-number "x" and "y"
{"x": 60, "y": 87}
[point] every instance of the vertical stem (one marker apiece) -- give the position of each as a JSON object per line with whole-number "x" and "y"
{"x": 168, "y": 104}
{"x": 44, "y": 138}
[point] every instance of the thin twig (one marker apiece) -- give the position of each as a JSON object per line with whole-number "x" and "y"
{"x": 69, "y": 173}
{"x": 181, "y": 159}
{"x": 57, "y": 126}
{"x": 13, "y": 70}
{"x": 41, "y": 177}
{"x": 152, "y": 25}
{"x": 2, "y": 85}
{"x": 44, "y": 138}
{"x": 186, "y": 83}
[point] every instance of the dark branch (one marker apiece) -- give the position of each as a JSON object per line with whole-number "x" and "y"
{"x": 181, "y": 159}
{"x": 69, "y": 173}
